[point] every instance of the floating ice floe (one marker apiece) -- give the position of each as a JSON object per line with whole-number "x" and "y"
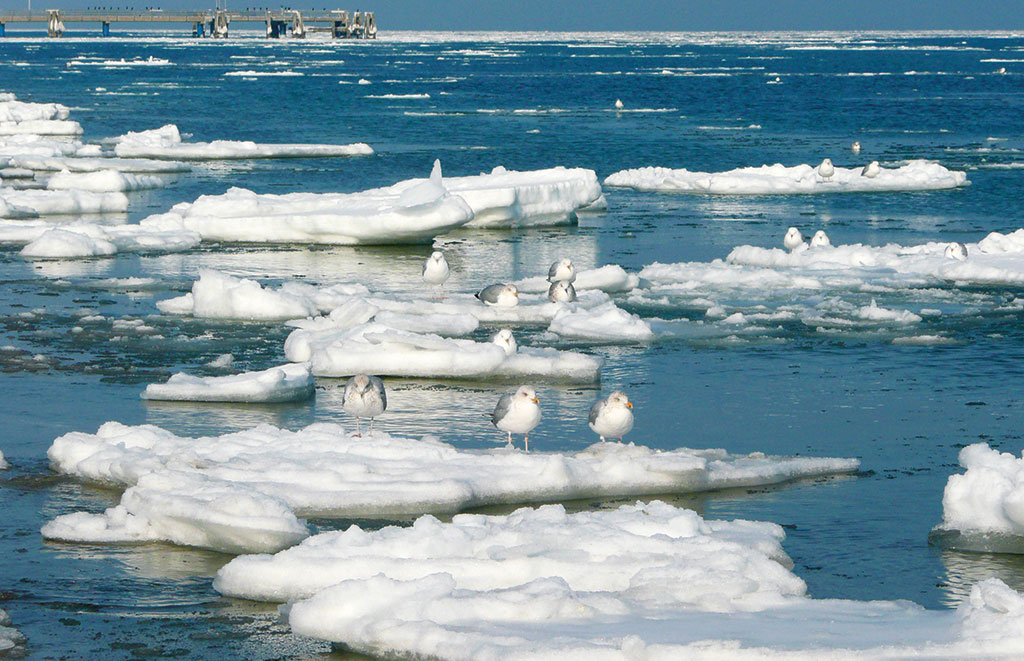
{"x": 58, "y": 163}
{"x": 413, "y": 211}
{"x": 102, "y": 181}
{"x": 983, "y": 508}
{"x": 604, "y": 323}
{"x": 30, "y": 203}
{"x": 220, "y": 296}
{"x": 322, "y": 471}
{"x": 778, "y": 179}
{"x": 165, "y": 142}
{"x": 82, "y": 239}
{"x": 12, "y": 642}
{"x": 286, "y": 383}
{"x": 41, "y": 127}
{"x": 12, "y": 110}
{"x": 610, "y": 278}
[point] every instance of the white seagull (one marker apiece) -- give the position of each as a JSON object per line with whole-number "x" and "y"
{"x": 561, "y": 292}
{"x": 619, "y": 105}
{"x": 612, "y": 417}
{"x": 506, "y": 340}
{"x": 562, "y": 271}
{"x": 364, "y": 398}
{"x": 871, "y": 170}
{"x": 820, "y": 239}
{"x": 855, "y": 147}
{"x": 505, "y": 296}
{"x": 826, "y": 169}
{"x": 957, "y": 251}
{"x": 436, "y": 271}
{"x": 517, "y": 413}
{"x": 793, "y": 239}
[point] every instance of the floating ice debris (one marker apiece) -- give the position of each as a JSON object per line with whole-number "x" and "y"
{"x": 604, "y": 323}
{"x": 562, "y": 271}
{"x": 376, "y": 348}
{"x": 58, "y": 163}
{"x": 826, "y": 169}
{"x": 223, "y": 361}
{"x": 165, "y": 142}
{"x": 517, "y": 413}
{"x": 286, "y": 383}
{"x": 820, "y": 239}
{"x": 81, "y": 239}
{"x": 322, "y": 471}
{"x": 874, "y": 313}
{"x": 86, "y": 61}
{"x": 612, "y": 417}
{"x": 610, "y": 278}
{"x": 500, "y": 295}
{"x": 188, "y": 508}
{"x": 22, "y": 111}
{"x": 589, "y": 550}
{"x": 41, "y": 127}
{"x": 793, "y": 239}
{"x": 3, "y": 462}
{"x": 561, "y": 292}
{"x": 12, "y": 642}
{"x": 956, "y": 250}
{"x": 402, "y": 213}
{"x": 60, "y": 202}
{"x": 778, "y": 179}
{"x": 220, "y": 296}
{"x": 102, "y": 181}
{"x": 364, "y": 397}
{"x": 987, "y": 500}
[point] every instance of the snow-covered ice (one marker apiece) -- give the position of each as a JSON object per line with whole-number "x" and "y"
{"x": 22, "y": 203}
{"x": 165, "y": 142}
{"x": 83, "y": 239}
{"x": 917, "y": 175}
{"x": 604, "y": 323}
{"x": 285, "y": 383}
{"x": 323, "y": 471}
{"x": 102, "y": 181}
{"x": 610, "y": 278}
{"x": 41, "y": 127}
{"x": 220, "y": 296}
{"x": 43, "y": 163}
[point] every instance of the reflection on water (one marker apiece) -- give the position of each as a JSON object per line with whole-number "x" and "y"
{"x": 965, "y": 568}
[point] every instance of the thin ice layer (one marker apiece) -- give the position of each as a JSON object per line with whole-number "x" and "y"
{"x": 322, "y": 471}
{"x": 707, "y": 562}
{"x": 917, "y": 175}
{"x": 286, "y": 383}
{"x": 165, "y": 143}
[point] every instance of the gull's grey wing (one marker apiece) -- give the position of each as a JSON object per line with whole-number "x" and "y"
{"x": 596, "y": 409}
{"x": 489, "y": 294}
{"x": 501, "y": 410}
{"x": 378, "y": 385}
{"x": 552, "y": 271}
{"x": 424, "y": 271}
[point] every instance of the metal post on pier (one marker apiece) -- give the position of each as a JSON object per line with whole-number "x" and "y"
{"x": 298, "y": 27}
{"x": 198, "y": 29}
{"x": 106, "y": 28}
{"x": 2, "y": 29}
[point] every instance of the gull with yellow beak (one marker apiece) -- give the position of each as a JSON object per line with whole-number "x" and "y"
{"x": 517, "y": 413}
{"x": 612, "y": 417}
{"x": 505, "y": 296}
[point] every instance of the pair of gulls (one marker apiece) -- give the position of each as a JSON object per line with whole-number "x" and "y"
{"x": 519, "y": 413}
{"x": 794, "y": 241}
{"x": 826, "y": 170}
{"x": 561, "y": 276}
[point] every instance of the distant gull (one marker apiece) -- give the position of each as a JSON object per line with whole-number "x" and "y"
{"x": 793, "y": 239}
{"x": 612, "y": 417}
{"x": 364, "y": 398}
{"x": 436, "y": 271}
{"x": 957, "y": 251}
{"x": 517, "y": 413}
{"x": 855, "y": 147}
{"x": 619, "y": 105}
{"x": 826, "y": 169}
{"x": 506, "y": 296}
{"x": 506, "y": 340}
{"x": 562, "y": 271}
{"x": 871, "y": 170}
{"x": 820, "y": 239}
{"x": 561, "y": 292}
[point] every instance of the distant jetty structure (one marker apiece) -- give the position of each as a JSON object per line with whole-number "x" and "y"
{"x": 281, "y": 23}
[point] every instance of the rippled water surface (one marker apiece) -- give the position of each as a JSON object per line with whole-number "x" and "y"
{"x": 711, "y": 103}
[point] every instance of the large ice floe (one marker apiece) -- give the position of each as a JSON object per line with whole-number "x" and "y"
{"x": 35, "y": 119}
{"x": 181, "y": 489}
{"x": 83, "y": 239}
{"x": 32, "y": 203}
{"x": 102, "y": 181}
{"x": 286, "y": 383}
{"x": 165, "y": 142}
{"x": 778, "y": 179}
{"x": 413, "y": 211}
{"x": 12, "y": 642}
{"x": 983, "y": 507}
{"x": 647, "y": 581}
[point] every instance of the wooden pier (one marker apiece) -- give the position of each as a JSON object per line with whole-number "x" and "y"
{"x": 213, "y": 23}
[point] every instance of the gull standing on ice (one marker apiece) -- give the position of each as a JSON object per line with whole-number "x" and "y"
{"x": 957, "y": 251}
{"x": 562, "y": 271}
{"x": 871, "y": 170}
{"x": 820, "y": 239}
{"x": 561, "y": 292}
{"x": 506, "y": 340}
{"x": 505, "y": 296}
{"x": 436, "y": 271}
{"x": 855, "y": 147}
{"x": 612, "y": 417}
{"x": 793, "y": 239}
{"x": 517, "y": 413}
{"x": 364, "y": 398}
{"x": 826, "y": 169}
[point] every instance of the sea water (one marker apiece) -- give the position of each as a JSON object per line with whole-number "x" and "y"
{"x": 706, "y": 102}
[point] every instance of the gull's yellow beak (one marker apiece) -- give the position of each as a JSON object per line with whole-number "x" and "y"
{"x": 516, "y": 294}
{"x": 535, "y": 400}
{"x": 629, "y": 404}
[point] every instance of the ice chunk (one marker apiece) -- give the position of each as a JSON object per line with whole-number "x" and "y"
{"x": 56, "y": 243}
{"x": 165, "y": 142}
{"x": 989, "y": 496}
{"x": 190, "y": 509}
{"x": 102, "y": 181}
{"x": 322, "y": 471}
{"x": 778, "y": 179}
{"x": 81, "y": 239}
{"x": 41, "y": 127}
{"x": 605, "y": 323}
{"x": 610, "y": 278}
{"x": 21, "y": 111}
{"x": 59, "y": 163}
{"x": 219, "y": 296}
{"x": 63, "y": 202}
{"x": 286, "y": 383}
{"x": 3, "y": 462}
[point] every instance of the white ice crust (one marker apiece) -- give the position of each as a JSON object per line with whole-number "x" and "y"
{"x": 610, "y": 278}
{"x": 82, "y": 239}
{"x": 285, "y": 383}
{"x": 165, "y": 143}
{"x": 988, "y": 496}
{"x": 918, "y": 175}
{"x": 322, "y": 471}
{"x": 31, "y": 203}
{"x": 102, "y": 181}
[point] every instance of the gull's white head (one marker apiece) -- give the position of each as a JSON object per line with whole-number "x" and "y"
{"x": 506, "y": 340}
{"x": 793, "y": 239}
{"x": 562, "y": 270}
{"x": 957, "y": 251}
{"x": 437, "y": 256}
{"x": 820, "y": 239}
{"x": 527, "y": 394}
{"x": 619, "y": 398}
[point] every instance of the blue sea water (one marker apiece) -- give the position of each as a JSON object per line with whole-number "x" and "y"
{"x": 529, "y": 101}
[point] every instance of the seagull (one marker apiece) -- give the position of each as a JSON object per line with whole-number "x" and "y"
{"x": 436, "y": 271}
{"x": 826, "y": 169}
{"x": 506, "y": 296}
{"x": 820, "y": 239}
{"x": 855, "y": 147}
{"x": 793, "y": 239}
{"x": 364, "y": 398}
{"x": 517, "y": 413}
{"x": 562, "y": 271}
{"x": 612, "y": 417}
{"x": 506, "y": 341}
{"x": 871, "y": 170}
{"x": 957, "y": 251}
{"x": 561, "y": 292}
{"x": 619, "y": 105}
